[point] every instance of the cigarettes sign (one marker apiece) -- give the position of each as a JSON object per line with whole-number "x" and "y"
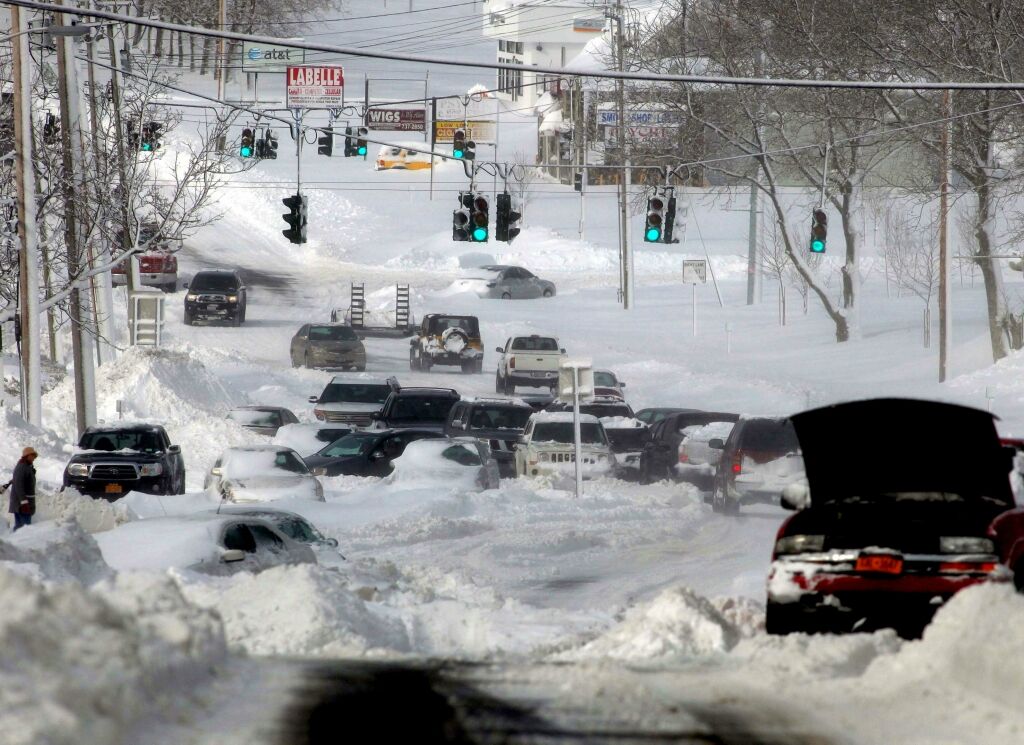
{"x": 312, "y": 86}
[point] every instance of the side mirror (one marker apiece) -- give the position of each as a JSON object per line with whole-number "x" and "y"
{"x": 377, "y": 415}
{"x": 332, "y": 542}
{"x": 499, "y": 350}
{"x": 562, "y": 350}
{"x": 313, "y": 399}
{"x": 216, "y": 471}
{"x": 716, "y": 443}
{"x": 621, "y": 384}
{"x": 376, "y": 455}
{"x": 232, "y": 555}
{"x": 174, "y": 449}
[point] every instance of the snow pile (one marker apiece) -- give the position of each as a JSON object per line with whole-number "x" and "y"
{"x": 55, "y": 551}
{"x": 676, "y": 624}
{"x": 93, "y": 515}
{"x": 801, "y": 657}
{"x": 79, "y": 667}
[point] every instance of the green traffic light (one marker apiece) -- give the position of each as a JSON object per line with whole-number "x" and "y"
{"x": 147, "y": 147}
{"x": 362, "y": 150}
{"x": 457, "y": 153}
{"x": 479, "y": 234}
{"x": 653, "y": 234}
{"x": 817, "y": 246}
{"x": 245, "y": 152}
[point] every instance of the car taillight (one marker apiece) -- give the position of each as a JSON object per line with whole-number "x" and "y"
{"x": 737, "y": 463}
{"x": 512, "y": 362}
{"x": 683, "y": 457}
{"x": 958, "y": 567}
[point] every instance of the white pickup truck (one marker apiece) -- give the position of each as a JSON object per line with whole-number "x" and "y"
{"x": 530, "y": 361}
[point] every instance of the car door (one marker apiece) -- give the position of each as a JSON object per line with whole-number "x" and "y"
{"x": 531, "y": 286}
{"x": 271, "y": 549}
{"x": 298, "y": 348}
{"x": 390, "y": 447}
{"x": 236, "y": 536}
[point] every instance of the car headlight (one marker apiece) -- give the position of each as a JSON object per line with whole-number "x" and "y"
{"x": 232, "y": 298}
{"x": 319, "y": 471}
{"x": 966, "y": 545}
{"x": 150, "y": 469}
{"x": 799, "y": 544}
{"x": 78, "y": 469}
{"x": 191, "y": 296}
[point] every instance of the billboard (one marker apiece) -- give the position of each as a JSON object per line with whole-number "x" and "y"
{"x": 270, "y": 57}
{"x": 315, "y": 87}
{"x": 396, "y": 120}
{"x": 478, "y": 132}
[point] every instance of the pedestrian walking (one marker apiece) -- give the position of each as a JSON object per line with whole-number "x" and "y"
{"x": 22, "y": 502}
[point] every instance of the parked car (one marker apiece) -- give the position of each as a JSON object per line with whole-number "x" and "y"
{"x": 263, "y": 420}
{"x": 327, "y": 345}
{"x": 112, "y": 460}
{"x": 215, "y": 296}
{"x": 306, "y": 439}
{"x": 421, "y": 408}
{"x": 365, "y": 452}
{"x": 203, "y": 541}
{"x": 626, "y": 434}
{"x": 885, "y": 532}
{"x": 530, "y": 361}
{"x": 661, "y": 451}
{"x": 456, "y": 462}
{"x": 652, "y": 416}
{"x": 262, "y": 473}
{"x": 444, "y": 339}
{"x": 290, "y": 524}
{"x": 400, "y": 158}
{"x": 698, "y": 461}
{"x": 505, "y": 282}
{"x": 760, "y": 458}
{"x": 158, "y": 265}
{"x": 547, "y": 446}
{"x": 497, "y": 421}
{"x": 352, "y": 399}
{"x": 606, "y": 383}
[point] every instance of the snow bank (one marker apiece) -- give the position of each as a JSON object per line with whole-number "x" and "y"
{"x": 79, "y": 667}
{"x": 55, "y": 551}
{"x": 93, "y": 515}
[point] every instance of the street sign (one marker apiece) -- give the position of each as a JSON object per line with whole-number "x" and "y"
{"x": 270, "y": 57}
{"x": 476, "y": 131}
{"x": 396, "y": 120}
{"x": 695, "y": 271}
{"x": 315, "y": 87}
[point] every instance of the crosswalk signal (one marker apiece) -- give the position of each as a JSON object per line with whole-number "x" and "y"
{"x": 577, "y": 181}
{"x": 326, "y": 143}
{"x": 459, "y": 144}
{"x": 246, "y": 148}
{"x": 819, "y": 231}
{"x": 481, "y": 218}
{"x": 361, "y": 148}
{"x": 506, "y": 219}
{"x": 296, "y": 217}
{"x": 269, "y": 145}
{"x": 655, "y": 223}
{"x": 670, "y": 221}
{"x": 470, "y": 152}
{"x": 51, "y": 129}
{"x": 150, "y": 141}
{"x": 461, "y": 218}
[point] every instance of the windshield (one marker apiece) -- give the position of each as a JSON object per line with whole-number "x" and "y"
{"x": 143, "y": 442}
{"x": 605, "y": 380}
{"x": 603, "y": 410}
{"x": 248, "y": 463}
{"x": 590, "y": 433}
{"x": 255, "y": 417}
{"x": 423, "y": 408}
{"x": 355, "y": 393}
{"x": 534, "y": 344}
{"x": 213, "y": 283}
{"x": 332, "y": 333}
{"x": 764, "y": 435}
{"x": 357, "y": 443}
{"x": 499, "y": 417}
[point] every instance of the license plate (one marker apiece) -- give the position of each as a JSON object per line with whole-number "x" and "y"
{"x": 880, "y": 564}
{"x": 211, "y": 307}
{"x": 113, "y": 489}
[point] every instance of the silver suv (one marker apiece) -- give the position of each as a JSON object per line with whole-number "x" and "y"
{"x": 352, "y": 399}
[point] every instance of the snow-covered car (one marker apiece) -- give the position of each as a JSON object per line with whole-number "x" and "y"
{"x": 352, "y": 399}
{"x": 263, "y": 420}
{"x": 462, "y": 462}
{"x": 698, "y": 461}
{"x": 607, "y": 383}
{"x": 444, "y": 339}
{"x": 546, "y": 446}
{"x": 203, "y": 541}
{"x": 262, "y": 473}
{"x": 504, "y": 282}
{"x": 626, "y": 434}
{"x": 530, "y": 361}
{"x": 390, "y": 157}
{"x": 760, "y": 458}
{"x": 290, "y": 524}
{"x": 497, "y": 421}
{"x": 306, "y": 439}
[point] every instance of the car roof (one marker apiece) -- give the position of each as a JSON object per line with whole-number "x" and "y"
{"x": 258, "y": 408}
{"x": 562, "y": 416}
{"x": 355, "y": 378}
{"x": 515, "y": 402}
{"x": 425, "y": 391}
{"x": 257, "y": 449}
{"x": 256, "y": 510}
{"x": 116, "y": 426}
{"x": 495, "y": 267}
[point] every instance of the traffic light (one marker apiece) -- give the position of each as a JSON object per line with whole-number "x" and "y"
{"x": 459, "y": 143}
{"x": 350, "y": 144}
{"x": 670, "y": 220}
{"x": 150, "y": 137}
{"x": 361, "y": 148}
{"x": 470, "y": 151}
{"x": 577, "y": 181}
{"x": 655, "y": 223}
{"x": 819, "y": 231}
{"x": 269, "y": 145}
{"x": 461, "y": 217}
{"x": 506, "y": 219}
{"x": 296, "y": 218}
{"x": 481, "y": 218}
{"x": 247, "y": 147}
{"x": 326, "y": 143}
{"x": 51, "y": 129}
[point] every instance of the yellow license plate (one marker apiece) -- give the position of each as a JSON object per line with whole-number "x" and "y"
{"x": 113, "y": 489}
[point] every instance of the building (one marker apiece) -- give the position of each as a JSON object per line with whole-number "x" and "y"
{"x": 542, "y": 33}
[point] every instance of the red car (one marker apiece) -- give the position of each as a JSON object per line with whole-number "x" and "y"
{"x": 906, "y": 503}
{"x": 156, "y": 269}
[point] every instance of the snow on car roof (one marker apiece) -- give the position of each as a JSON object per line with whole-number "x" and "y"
{"x": 494, "y": 400}
{"x": 363, "y": 378}
{"x": 561, "y": 416}
{"x": 159, "y": 543}
{"x": 118, "y": 426}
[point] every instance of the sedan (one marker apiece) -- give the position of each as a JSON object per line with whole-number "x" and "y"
{"x": 366, "y": 452}
{"x": 328, "y": 345}
{"x": 462, "y": 462}
{"x": 262, "y": 474}
{"x": 505, "y": 282}
{"x": 294, "y": 526}
{"x": 263, "y": 420}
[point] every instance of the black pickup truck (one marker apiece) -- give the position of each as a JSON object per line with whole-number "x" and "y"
{"x": 113, "y": 460}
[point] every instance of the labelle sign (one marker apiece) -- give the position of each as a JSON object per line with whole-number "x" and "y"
{"x": 315, "y": 86}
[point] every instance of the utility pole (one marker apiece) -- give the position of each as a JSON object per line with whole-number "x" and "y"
{"x": 71, "y": 140}
{"x": 625, "y": 259}
{"x": 222, "y": 68}
{"x": 945, "y": 319}
{"x": 754, "y": 224}
{"x": 132, "y": 274}
{"x": 28, "y": 267}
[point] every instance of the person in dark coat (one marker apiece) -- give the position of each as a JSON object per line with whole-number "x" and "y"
{"x": 22, "y": 502}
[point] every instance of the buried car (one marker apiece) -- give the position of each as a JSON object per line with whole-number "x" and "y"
{"x": 262, "y": 473}
{"x": 883, "y": 536}
{"x": 204, "y": 542}
{"x": 365, "y": 452}
{"x": 263, "y": 420}
{"x": 456, "y": 462}
{"x": 546, "y": 446}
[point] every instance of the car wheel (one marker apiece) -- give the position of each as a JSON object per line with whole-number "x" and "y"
{"x": 510, "y": 387}
{"x": 305, "y": 360}
{"x": 188, "y": 318}
{"x": 784, "y": 618}
{"x": 236, "y": 319}
{"x": 506, "y": 296}
{"x": 426, "y": 363}
{"x": 360, "y": 368}
{"x": 414, "y": 362}
{"x": 478, "y": 367}
{"x": 170, "y": 287}
{"x": 181, "y": 484}
{"x": 499, "y": 384}
{"x": 548, "y": 293}
{"x": 1018, "y": 576}
{"x": 468, "y": 366}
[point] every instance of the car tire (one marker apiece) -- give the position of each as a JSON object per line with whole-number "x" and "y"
{"x": 236, "y": 320}
{"x": 469, "y": 366}
{"x": 414, "y": 361}
{"x": 510, "y": 387}
{"x": 426, "y": 363}
{"x": 1018, "y": 576}
{"x": 506, "y": 296}
{"x": 722, "y": 504}
{"x": 499, "y": 384}
{"x": 181, "y": 484}
{"x": 478, "y": 367}
{"x": 360, "y": 368}
{"x": 170, "y": 287}
{"x": 305, "y": 360}
{"x": 188, "y": 318}
{"x": 784, "y": 618}
{"x": 548, "y": 293}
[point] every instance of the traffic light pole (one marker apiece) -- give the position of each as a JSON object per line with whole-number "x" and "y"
{"x": 945, "y": 319}
{"x": 299, "y": 137}
{"x": 625, "y": 258}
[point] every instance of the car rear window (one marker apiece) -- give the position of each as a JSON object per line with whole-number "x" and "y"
{"x": 499, "y": 417}
{"x": 534, "y": 344}
{"x": 462, "y": 455}
{"x": 332, "y": 333}
{"x": 354, "y": 393}
{"x": 218, "y": 282}
{"x": 468, "y": 324}
{"x": 423, "y": 408}
{"x": 776, "y": 435}
{"x": 255, "y": 417}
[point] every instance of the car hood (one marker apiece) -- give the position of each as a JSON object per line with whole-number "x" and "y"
{"x": 269, "y": 488}
{"x": 322, "y": 461}
{"x": 350, "y": 408}
{"x": 885, "y": 446}
{"x": 118, "y": 456}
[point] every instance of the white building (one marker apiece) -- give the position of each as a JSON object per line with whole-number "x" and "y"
{"x": 546, "y": 33}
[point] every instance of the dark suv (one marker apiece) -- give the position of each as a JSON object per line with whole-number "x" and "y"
{"x": 423, "y": 408}
{"x": 661, "y": 451}
{"x": 759, "y": 460}
{"x": 498, "y": 421}
{"x": 215, "y": 296}
{"x": 115, "y": 460}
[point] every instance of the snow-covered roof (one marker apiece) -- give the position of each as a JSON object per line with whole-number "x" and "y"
{"x": 562, "y": 416}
